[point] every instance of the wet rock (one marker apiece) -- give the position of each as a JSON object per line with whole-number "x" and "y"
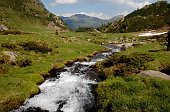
{"x": 61, "y": 104}
{"x": 70, "y": 62}
{"x": 92, "y": 74}
{"x": 126, "y": 45}
{"x": 56, "y": 70}
{"x": 34, "y": 109}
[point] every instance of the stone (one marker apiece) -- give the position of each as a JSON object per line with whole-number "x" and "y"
{"x": 11, "y": 54}
{"x": 153, "y": 73}
{"x": 126, "y": 45}
{"x": 3, "y": 28}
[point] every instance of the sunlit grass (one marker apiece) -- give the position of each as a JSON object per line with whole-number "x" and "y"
{"x": 135, "y": 93}
{"x": 19, "y": 83}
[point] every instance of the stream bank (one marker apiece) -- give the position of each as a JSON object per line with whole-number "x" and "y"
{"x": 70, "y": 90}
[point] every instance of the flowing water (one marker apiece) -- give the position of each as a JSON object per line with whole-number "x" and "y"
{"x": 69, "y": 91}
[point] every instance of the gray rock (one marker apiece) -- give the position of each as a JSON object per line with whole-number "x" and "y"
{"x": 153, "y": 73}
{"x": 3, "y": 28}
{"x": 11, "y": 54}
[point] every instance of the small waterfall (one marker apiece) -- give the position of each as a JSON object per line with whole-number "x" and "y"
{"x": 71, "y": 91}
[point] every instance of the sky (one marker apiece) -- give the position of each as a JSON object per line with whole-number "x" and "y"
{"x": 104, "y": 9}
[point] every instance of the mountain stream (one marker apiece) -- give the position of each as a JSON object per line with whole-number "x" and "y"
{"x": 70, "y": 90}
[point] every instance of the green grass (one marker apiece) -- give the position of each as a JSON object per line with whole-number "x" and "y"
{"x": 162, "y": 57}
{"x": 100, "y": 38}
{"x": 132, "y": 92}
{"x": 15, "y": 89}
{"x": 18, "y": 83}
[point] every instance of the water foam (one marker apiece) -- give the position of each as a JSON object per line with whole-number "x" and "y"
{"x": 71, "y": 92}
{"x": 74, "y": 90}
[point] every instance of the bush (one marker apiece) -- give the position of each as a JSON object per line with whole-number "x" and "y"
{"x": 23, "y": 62}
{"x": 85, "y": 29}
{"x": 4, "y": 59}
{"x": 9, "y": 45}
{"x": 56, "y": 32}
{"x": 124, "y": 65}
{"x": 15, "y": 32}
{"x": 4, "y": 68}
{"x": 39, "y": 46}
{"x": 165, "y": 68}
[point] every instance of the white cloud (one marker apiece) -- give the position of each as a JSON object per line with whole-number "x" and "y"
{"x": 97, "y": 14}
{"x": 137, "y": 4}
{"x": 131, "y": 3}
{"x": 123, "y": 13}
{"x": 67, "y": 14}
{"x": 57, "y": 2}
{"x": 134, "y": 3}
{"x": 93, "y": 14}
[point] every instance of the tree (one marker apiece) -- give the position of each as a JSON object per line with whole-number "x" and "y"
{"x": 56, "y": 32}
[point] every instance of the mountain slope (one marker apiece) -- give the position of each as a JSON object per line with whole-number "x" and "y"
{"x": 80, "y": 20}
{"x": 154, "y": 16}
{"x": 28, "y": 14}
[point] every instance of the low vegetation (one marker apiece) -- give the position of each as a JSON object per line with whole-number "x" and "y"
{"x": 150, "y": 17}
{"x": 133, "y": 94}
{"x": 37, "y": 46}
{"x": 85, "y": 29}
{"x": 27, "y": 15}
{"x": 124, "y": 65}
{"x": 125, "y": 90}
{"x": 27, "y": 58}
{"x": 35, "y": 55}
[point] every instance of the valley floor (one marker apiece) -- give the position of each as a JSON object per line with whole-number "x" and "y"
{"x": 19, "y": 77}
{"x": 35, "y": 54}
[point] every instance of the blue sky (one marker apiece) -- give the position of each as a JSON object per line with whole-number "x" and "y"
{"x": 103, "y": 9}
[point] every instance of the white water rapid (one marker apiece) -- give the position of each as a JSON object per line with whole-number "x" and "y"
{"x": 71, "y": 91}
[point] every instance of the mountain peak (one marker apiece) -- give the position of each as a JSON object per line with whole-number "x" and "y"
{"x": 81, "y": 20}
{"x": 80, "y": 15}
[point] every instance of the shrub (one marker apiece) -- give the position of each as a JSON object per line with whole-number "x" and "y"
{"x": 4, "y": 68}
{"x": 11, "y": 32}
{"x": 85, "y": 29}
{"x": 9, "y": 45}
{"x": 56, "y": 32}
{"x": 165, "y": 68}
{"x": 23, "y": 62}
{"x": 4, "y": 64}
{"x": 4, "y": 59}
{"x": 39, "y": 46}
{"x": 124, "y": 65}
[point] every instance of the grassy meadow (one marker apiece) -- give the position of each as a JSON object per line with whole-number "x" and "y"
{"x": 19, "y": 78}
{"x": 38, "y": 52}
{"x": 124, "y": 90}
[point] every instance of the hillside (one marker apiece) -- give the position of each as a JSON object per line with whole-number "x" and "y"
{"x": 80, "y": 20}
{"x": 28, "y": 15}
{"x": 150, "y": 17}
